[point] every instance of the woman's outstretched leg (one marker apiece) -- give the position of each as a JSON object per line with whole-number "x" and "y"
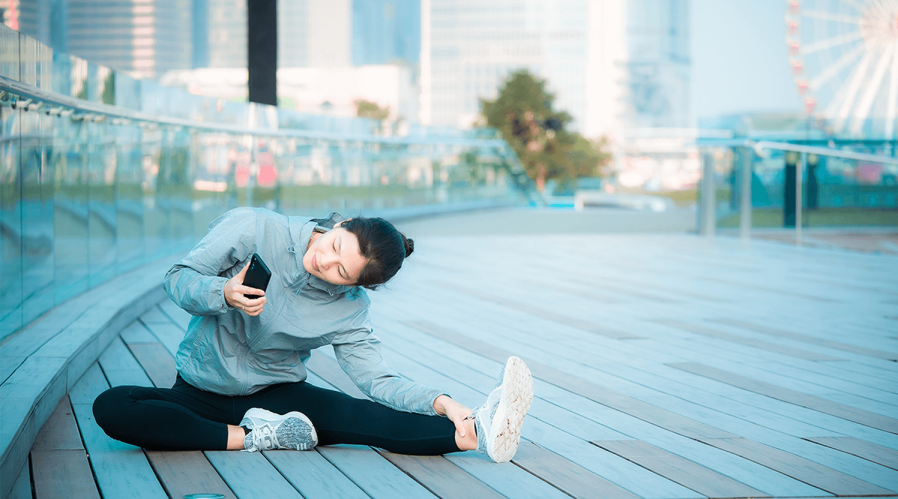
{"x": 341, "y": 419}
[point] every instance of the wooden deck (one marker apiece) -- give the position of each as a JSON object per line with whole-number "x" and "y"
{"x": 665, "y": 366}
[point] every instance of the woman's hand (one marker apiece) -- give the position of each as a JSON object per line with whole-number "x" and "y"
{"x": 456, "y": 412}
{"x": 235, "y": 294}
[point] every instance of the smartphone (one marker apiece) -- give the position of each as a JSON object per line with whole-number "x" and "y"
{"x": 257, "y": 276}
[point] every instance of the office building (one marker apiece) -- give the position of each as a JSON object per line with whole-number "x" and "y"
{"x": 386, "y": 31}
{"x": 610, "y": 63}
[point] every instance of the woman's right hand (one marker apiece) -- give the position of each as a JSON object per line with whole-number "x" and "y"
{"x": 235, "y": 294}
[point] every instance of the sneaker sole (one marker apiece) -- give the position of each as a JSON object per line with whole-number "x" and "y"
{"x": 269, "y": 416}
{"x": 517, "y": 395}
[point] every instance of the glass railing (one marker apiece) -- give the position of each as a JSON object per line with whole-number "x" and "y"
{"x": 834, "y": 191}
{"x": 101, "y": 173}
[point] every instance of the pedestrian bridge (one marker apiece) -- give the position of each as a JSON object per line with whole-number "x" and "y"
{"x": 666, "y": 365}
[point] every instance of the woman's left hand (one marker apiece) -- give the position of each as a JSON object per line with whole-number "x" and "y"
{"x": 456, "y": 412}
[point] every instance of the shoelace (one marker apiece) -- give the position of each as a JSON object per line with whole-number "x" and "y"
{"x": 263, "y": 434}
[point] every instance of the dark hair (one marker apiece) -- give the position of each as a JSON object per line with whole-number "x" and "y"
{"x": 382, "y": 245}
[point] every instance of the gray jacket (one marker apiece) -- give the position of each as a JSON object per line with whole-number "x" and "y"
{"x": 228, "y": 352}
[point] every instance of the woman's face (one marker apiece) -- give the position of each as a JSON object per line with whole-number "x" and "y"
{"x": 334, "y": 257}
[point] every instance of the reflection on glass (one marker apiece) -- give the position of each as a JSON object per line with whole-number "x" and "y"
{"x": 37, "y": 217}
{"x": 102, "y": 220}
{"x": 85, "y": 197}
{"x": 10, "y": 222}
{"x": 70, "y": 207}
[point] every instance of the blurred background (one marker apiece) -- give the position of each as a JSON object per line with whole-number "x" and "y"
{"x": 127, "y": 125}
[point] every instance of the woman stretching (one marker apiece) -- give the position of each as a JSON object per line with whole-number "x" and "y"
{"x": 241, "y": 374}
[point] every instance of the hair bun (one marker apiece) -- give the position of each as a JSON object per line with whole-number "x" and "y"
{"x": 409, "y": 245}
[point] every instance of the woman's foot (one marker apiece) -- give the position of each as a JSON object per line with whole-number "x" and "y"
{"x": 498, "y": 421}
{"x": 269, "y": 431}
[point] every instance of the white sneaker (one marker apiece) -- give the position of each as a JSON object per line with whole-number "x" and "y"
{"x": 498, "y": 421}
{"x": 269, "y": 431}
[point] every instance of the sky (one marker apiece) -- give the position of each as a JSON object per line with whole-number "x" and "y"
{"x": 739, "y": 58}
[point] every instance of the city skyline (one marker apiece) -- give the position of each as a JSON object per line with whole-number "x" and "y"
{"x": 738, "y": 60}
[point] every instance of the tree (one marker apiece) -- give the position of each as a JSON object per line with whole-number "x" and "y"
{"x": 524, "y": 115}
{"x": 368, "y": 109}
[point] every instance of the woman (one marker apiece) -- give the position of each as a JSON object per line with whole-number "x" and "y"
{"x": 241, "y": 374}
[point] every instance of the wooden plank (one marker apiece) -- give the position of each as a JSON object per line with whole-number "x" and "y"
{"x": 187, "y": 472}
{"x": 532, "y": 309}
{"x": 641, "y": 410}
{"x": 169, "y": 335}
{"x": 62, "y": 473}
{"x": 837, "y": 345}
{"x": 155, "y": 316}
{"x": 177, "y": 314}
{"x": 677, "y": 469}
{"x": 611, "y": 467}
{"x": 860, "y": 416}
{"x": 136, "y": 332}
{"x": 21, "y": 488}
{"x": 750, "y": 342}
{"x": 156, "y": 361}
{"x": 506, "y": 478}
{"x": 798, "y": 467}
{"x": 565, "y": 475}
{"x": 860, "y": 448}
{"x": 121, "y": 368}
{"x": 328, "y": 369}
{"x": 60, "y": 432}
{"x": 440, "y": 476}
{"x": 121, "y": 470}
{"x": 372, "y": 473}
{"x": 250, "y": 475}
{"x": 89, "y": 387}
{"x": 313, "y": 475}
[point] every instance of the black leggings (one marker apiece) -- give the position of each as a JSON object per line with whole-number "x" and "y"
{"x": 186, "y": 418}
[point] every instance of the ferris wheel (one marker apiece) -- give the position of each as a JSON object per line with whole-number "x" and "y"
{"x": 844, "y": 59}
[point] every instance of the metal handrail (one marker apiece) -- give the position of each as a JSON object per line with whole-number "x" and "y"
{"x": 759, "y": 147}
{"x": 57, "y": 103}
{"x": 822, "y": 151}
{"x": 35, "y": 98}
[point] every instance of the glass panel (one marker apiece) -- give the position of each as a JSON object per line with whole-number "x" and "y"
{"x": 10, "y": 221}
{"x": 37, "y": 216}
{"x": 155, "y": 212}
{"x": 129, "y": 198}
{"x": 102, "y": 214}
{"x": 70, "y": 207}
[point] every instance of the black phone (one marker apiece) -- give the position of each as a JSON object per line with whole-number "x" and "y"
{"x": 257, "y": 276}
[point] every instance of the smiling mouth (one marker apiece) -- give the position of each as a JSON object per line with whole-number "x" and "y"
{"x": 315, "y": 264}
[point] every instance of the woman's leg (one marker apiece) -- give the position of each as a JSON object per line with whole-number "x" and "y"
{"x": 177, "y": 418}
{"x": 341, "y": 419}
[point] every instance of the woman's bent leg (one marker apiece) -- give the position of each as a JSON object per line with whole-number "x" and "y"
{"x": 163, "y": 418}
{"x": 341, "y": 419}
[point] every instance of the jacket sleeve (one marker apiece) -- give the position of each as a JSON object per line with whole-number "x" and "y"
{"x": 195, "y": 283}
{"x": 358, "y": 353}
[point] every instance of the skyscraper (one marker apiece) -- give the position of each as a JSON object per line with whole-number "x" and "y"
{"x": 657, "y": 64}
{"x": 143, "y": 37}
{"x": 611, "y": 63}
{"x": 386, "y": 31}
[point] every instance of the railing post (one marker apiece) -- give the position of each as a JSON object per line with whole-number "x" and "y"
{"x": 799, "y": 168}
{"x": 709, "y": 197}
{"x": 745, "y": 199}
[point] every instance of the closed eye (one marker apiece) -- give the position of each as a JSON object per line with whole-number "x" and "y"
{"x": 340, "y": 270}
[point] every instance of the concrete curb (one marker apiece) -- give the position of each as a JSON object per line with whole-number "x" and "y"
{"x": 42, "y": 362}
